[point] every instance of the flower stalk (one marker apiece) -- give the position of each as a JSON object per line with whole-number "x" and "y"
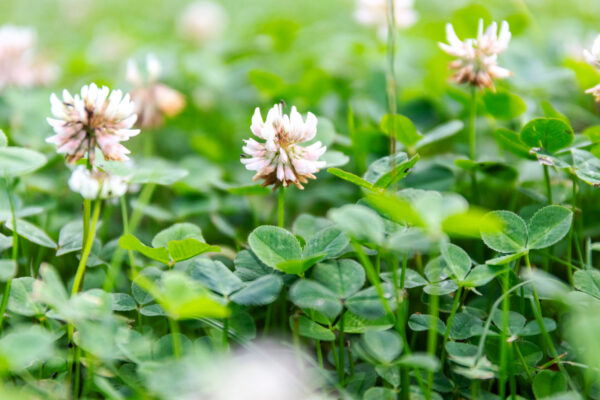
{"x": 87, "y": 247}
{"x": 281, "y": 207}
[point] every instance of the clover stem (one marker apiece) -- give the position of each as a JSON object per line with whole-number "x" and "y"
{"x": 319, "y": 353}
{"x": 175, "y": 337}
{"x": 134, "y": 221}
{"x": 537, "y": 312}
{"x": 472, "y": 118}
{"x": 372, "y": 276}
{"x": 281, "y": 206}
{"x": 392, "y": 85}
{"x": 341, "y": 362}
{"x": 432, "y": 338}
{"x": 548, "y": 184}
{"x": 473, "y": 142}
{"x": 504, "y": 333}
{"x": 123, "y": 202}
{"x": 77, "y": 375}
{"x": 87, "y": 247}
{"x": 455, "y": 306}
{"x": 15, "y": 252}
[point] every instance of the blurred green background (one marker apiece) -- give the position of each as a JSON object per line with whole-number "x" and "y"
{"x": 309, "y": 53}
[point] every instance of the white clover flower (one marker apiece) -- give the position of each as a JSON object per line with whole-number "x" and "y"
{"x": 375, "y": 13}
{"x": 153, "y": 100}
{"x": 96, "y": 117}
{"x": 202, "y": 21}
{"x": 19, "y": 65}
{"x": 94, "y": 184}
{"x": 477, "y": 58}
{"x": 281, "y": 160}
{"x": 593, "y": 58}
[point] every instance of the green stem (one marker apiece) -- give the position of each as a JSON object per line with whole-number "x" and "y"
{"x": 77, "y": 377}
{"x": 473, "y": 142}
{"x": 15, "y": 254}
{"x": 488, "y": 322}
{"x": 89, "y": 377}
{"x": 342, "y": 370}
{"x": 373, "y": 277}
{"x": 124, "y": 217}
{"x": 281, "y": 207}
{"x": 134, "y": 221}
{"x": 432, "y": 339}
{"x": 175, "y": 337}
{"x": 548, "y": 184}
{"x": 87, "y": 247}
{"x": 319, "y": 353}
{"x": 455, "y": 306}
{"x": 472, "y": 119}
{"x": 537, "y": 312}
{"x": 268, "y": 319}
{"x": 504, "y": 334}
{"x": 523, "y": 362}
{"x": 392, "y": 85}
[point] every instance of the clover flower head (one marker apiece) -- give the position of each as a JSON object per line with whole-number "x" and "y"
{"x": 280, "y": 160}
{"x": 95, "y": 117}
{"x": 153, "y": 100}
{"x": 202, "y": 21}
{"x": 593, "y": 58}
{"x": 477, "y": 59}
{"x": 19, "y": 65}
{"x": 94, "y": 184}
{"x": 375, "y": 13}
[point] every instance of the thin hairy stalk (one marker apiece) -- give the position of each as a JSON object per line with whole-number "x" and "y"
{"x": 281, "y": 206}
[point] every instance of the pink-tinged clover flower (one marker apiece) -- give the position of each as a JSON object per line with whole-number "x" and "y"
{"x": 153, "y": 100}
{"x": 477, "y": 59}
{"x": 593, "y": 58}
{"x": 280, "y": 160}
{"x": 95, "y": 117}
{"x": 19, "y": 65}
{"x": 94, "y": 184}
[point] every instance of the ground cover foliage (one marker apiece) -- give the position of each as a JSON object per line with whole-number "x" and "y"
{"x": 299, "y": 200}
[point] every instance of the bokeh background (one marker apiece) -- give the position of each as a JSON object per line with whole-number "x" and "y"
{"x": 309, "y": 53}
